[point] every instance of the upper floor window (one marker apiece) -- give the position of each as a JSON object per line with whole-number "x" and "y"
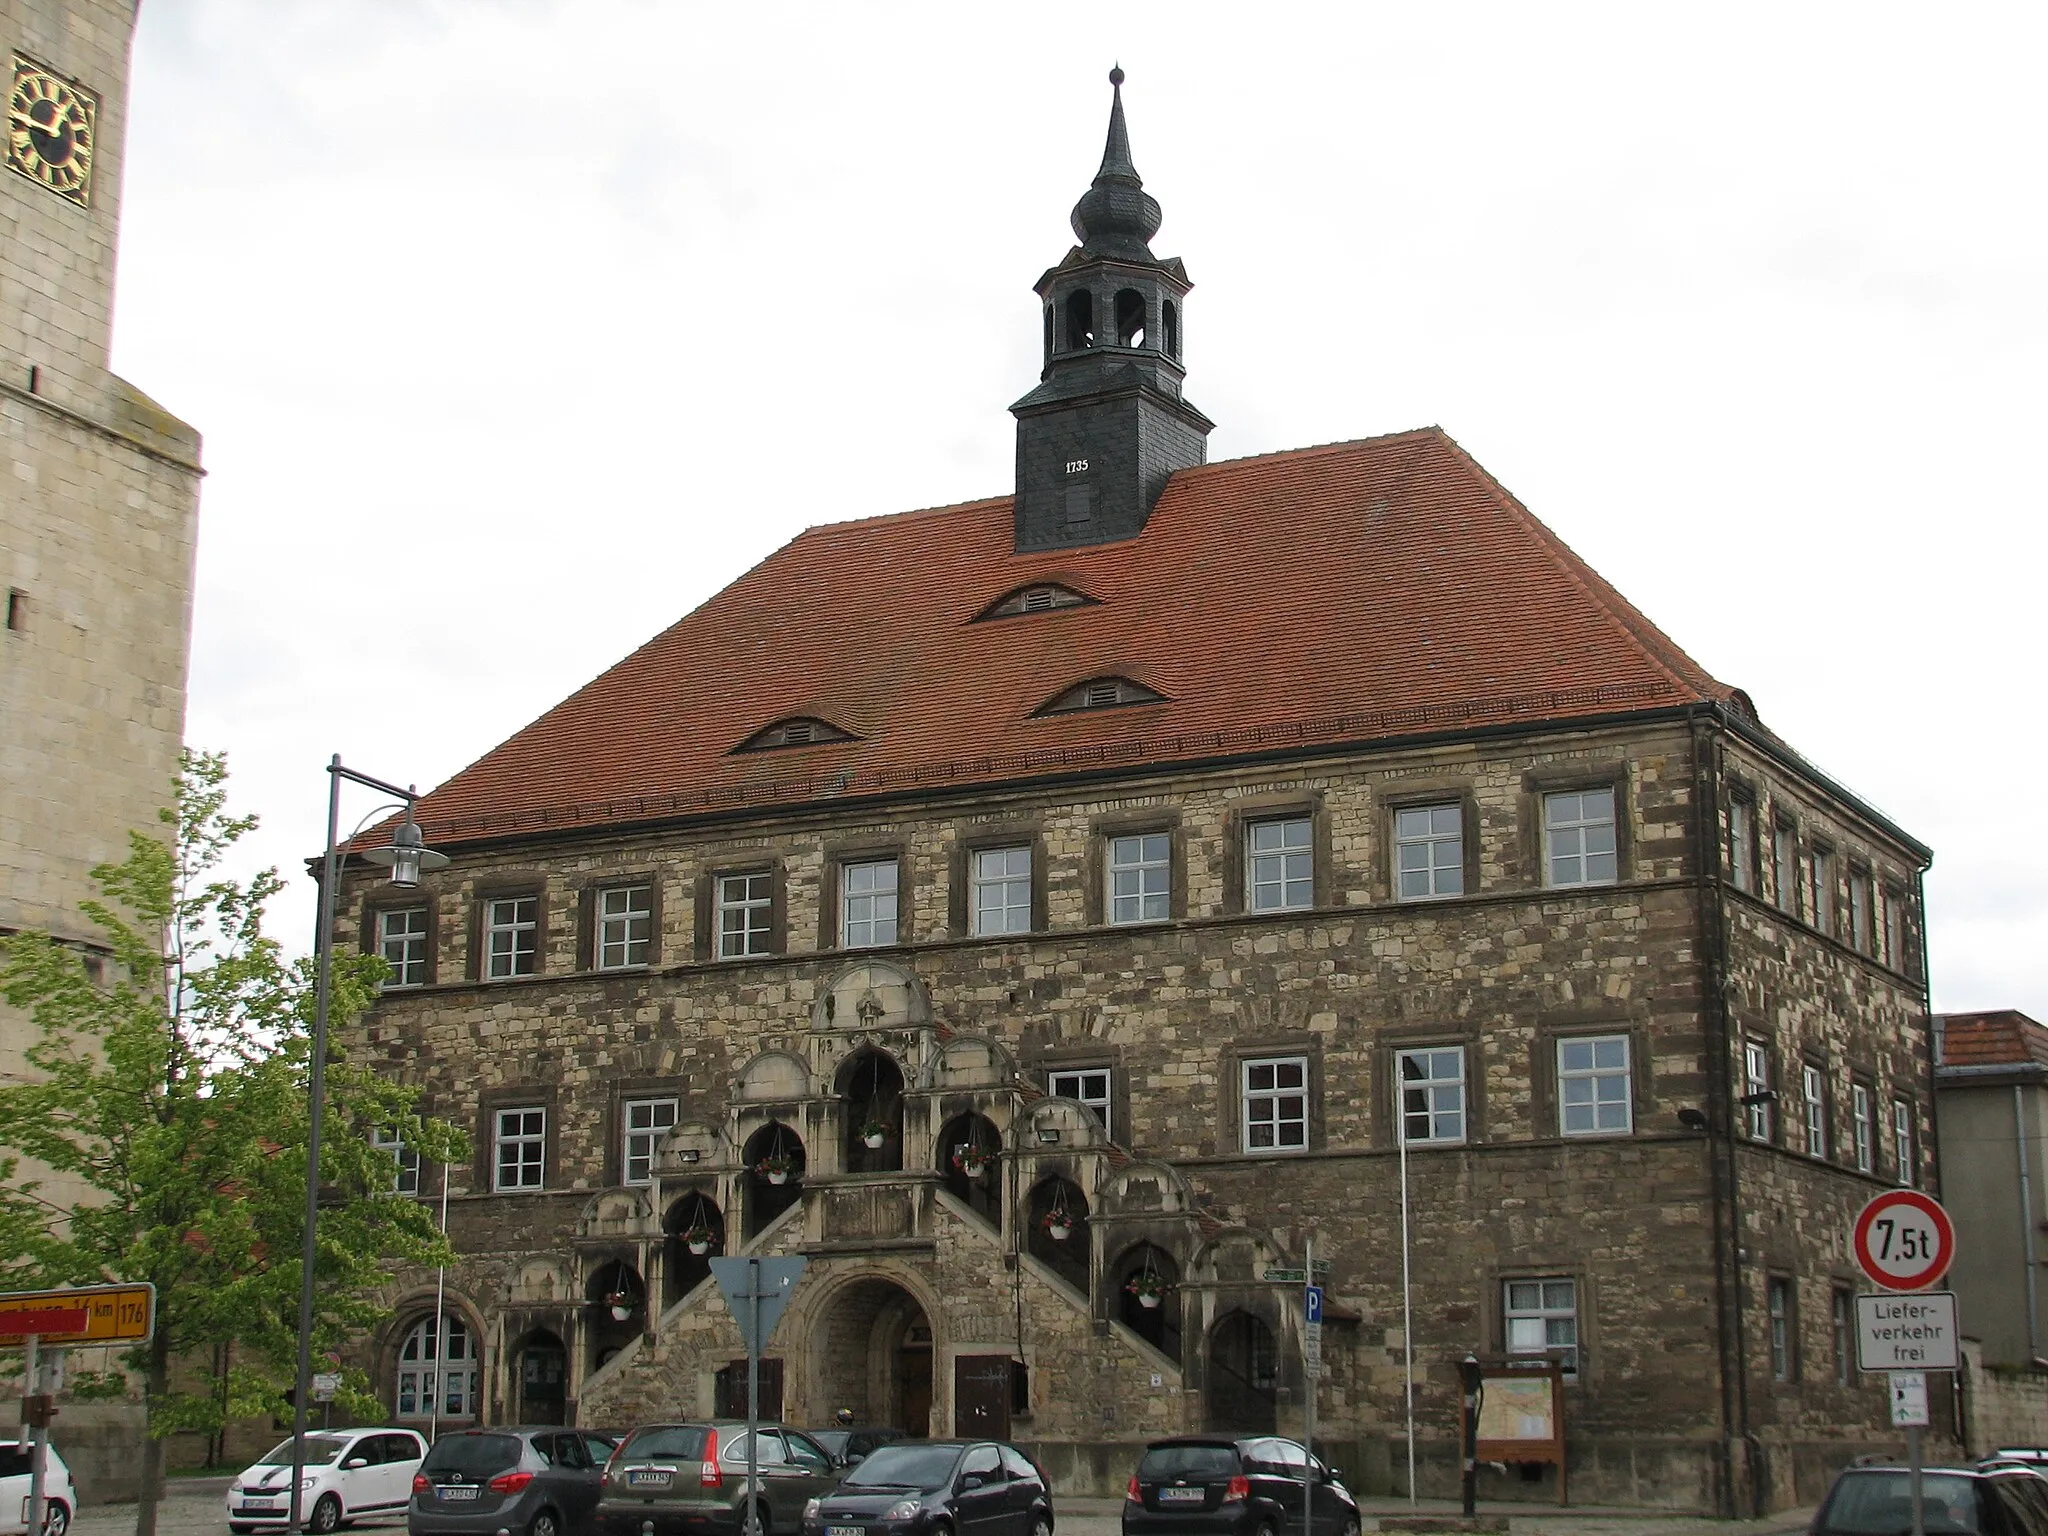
{"x": 1820, "y": 867}
{"x": 1432, "y": 1093}
{"x": 1903, "y": 1164}
{"x": 867, "y": 903}
{"x": 1275, "y": 1102}
{"x": 1429, "y": 852}
{"x": 1593, "y": 1097}
{"x": 1088, "y": 1085}
{"x": 511, "y": 937}
{"x": 407, "y": 1179}
{"x": 519, "y": 1147}
{"x": 1140, "y": 871}
{"x": 742, "y": 907}
{"x": 1813, "y": 1096}
{"x": 1542, "y": 1316}
{"x": 625, "y": 926}
{"x": 1578, "y": 837}
{"x": 402, "y": 941}
{"x": 1279, "y": 867}
{"x": 645, "y": 1122}
{"x": 1756, "y": 1080}
{"x": 1000, "y": 890}
{"x": 1785, "y": 866}
{"x": 1742, "y": 844}
{"x": 1863, "y": 1127}
{"x": 1778, "y": 1307}
{"x": 1894, "y": 928}
{"x": 1859, "y": 910}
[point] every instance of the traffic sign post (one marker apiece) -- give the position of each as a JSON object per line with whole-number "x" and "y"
{"x": 37, "y": 1320}
{"x": 757, "y": 1291}
{"x": 1904, "y": 1241}
{"x": 1312, "y": 1367}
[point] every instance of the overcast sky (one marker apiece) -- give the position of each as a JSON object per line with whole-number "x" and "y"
{"x": 517, "y": 329}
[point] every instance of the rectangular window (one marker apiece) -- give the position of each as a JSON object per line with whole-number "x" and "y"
{"x": 625, "y": 926}
{"x": 645, "y": 1122}
{"x": 1785, "y": 867}
{"x": 1894, "y": 928}
{"x": 1578, "y": 837}
{"x": 1778, "y": 1307}
{"x": 1820, "y": 869}
{"x": 520, "y": 1146}
{"x": 1090, "y": 1085}
{"x": 1845, "y": 1337}
{"x": 1275, "y": 1103}
{"x": 743, "y": 906}
{"x": 1541, "y": 1316}
{"x": 1863, "y": 1128}
{"x": 1432, "y": 1090}
{"x": 1279, "y": 866}
{"x": 1903, "y": 1165}
{"x": 1859, "y": 911}
{"x": 1593, "y": 1097}
{"x": 1756, "y": 1080}
{"x": 407, "y": 1180}
{"x": 867, "y": 904}
{"x": 402, "y": 941}
{"x": 1429, "y": 852}
{"x": 1140, "y": 868}
{"x": 1000, "y": 895}
{"x": 1742, "y": 845}
{"x": 511, "y": 937}
{"x": 1813, "y": 1095}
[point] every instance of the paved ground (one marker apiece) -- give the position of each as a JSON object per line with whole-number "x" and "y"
{"x": 196, "y": 1506}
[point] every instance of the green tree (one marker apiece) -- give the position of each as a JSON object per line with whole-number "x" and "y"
{"x": 172, "y": 1082}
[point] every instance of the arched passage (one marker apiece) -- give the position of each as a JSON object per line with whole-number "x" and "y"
{"x": 774, "y": 1178}
{"x": 871, "y": 1101}
{"x": 540, "y": 1369}
{"x": 1058, "y": 1237}
{"x": 614, "y": 1287}
{"x": 872, "y": 1355}
{"x": 1242, "y": 1376}
{"x": 1080, "y": 320}
{"x": 1130, "y": 318}
{"x": 695, "y": 1229}
{"x": 1143, "y": 1272}
{"x": 967, "y": 1157}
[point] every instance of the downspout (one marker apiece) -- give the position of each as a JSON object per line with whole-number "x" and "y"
{"x": 2019, "y": 1144}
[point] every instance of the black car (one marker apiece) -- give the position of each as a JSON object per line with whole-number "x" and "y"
{"x": 937, "y": 1488}
{"x": 532, "y": 1481}
{"x": 1955, "y": 1501}
{"x": 1202, "y": 1485}
{"x": 847, "y": 1445}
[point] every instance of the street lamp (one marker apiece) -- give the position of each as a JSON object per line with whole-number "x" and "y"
{"x": 408, "y": 856}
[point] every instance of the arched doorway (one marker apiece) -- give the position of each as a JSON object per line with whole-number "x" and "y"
{"x": 967, "y": 1157}
{"x": 541, "y": 1368}
{"x": 615, "y": 1311}
{"x": 774, "y": 1180}
{"x": 693, "y": 1222}
{"x": 1148, "y": 1272}
{"x": 1058, "y": 1237}
{"x": 871, "y": 1101}
{"x": 873, "y": 1354}
{"x": 1240, "y": 1390}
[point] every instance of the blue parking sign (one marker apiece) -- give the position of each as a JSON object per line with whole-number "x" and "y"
{"x": 1312, "y": 1303}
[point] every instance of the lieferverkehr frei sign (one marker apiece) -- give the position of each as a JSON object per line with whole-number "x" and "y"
{"x": 1907, "y": 1332}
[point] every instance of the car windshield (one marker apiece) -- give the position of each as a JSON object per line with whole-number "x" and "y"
{"x": 905, "y": 1466}
{"x": 1881, "y": 1504}
{"x": 320, "y": 1450}
{"x": 472, "y": 1455}
{"x": 667, "y": 1442}
{"x": 1163, "y": 1461}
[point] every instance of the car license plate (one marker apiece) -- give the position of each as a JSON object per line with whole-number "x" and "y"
{"x": 846, "y": 1530}
{"x": 259, "y": 1503}
{"x": 648, "y": 1477}
{"x": 246, "y": 1509}
{"x": 1183, "y": 1495}
{"x": 456, "y": 1493}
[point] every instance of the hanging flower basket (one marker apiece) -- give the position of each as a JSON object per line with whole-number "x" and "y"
{"x": 1058, "y": 1224}
{"x": 698, "y": 1240}
{"x": 873, "y": 1134}
{"x": 1148, "y": 1288}
{"x": 621, "y": 1304}
{"x": 972, "y": 1160}
{"x": 776, "y": 1168}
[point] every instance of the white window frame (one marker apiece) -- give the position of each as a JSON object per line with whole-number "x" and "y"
{"x": 1141, "y": 864}
{"x": 642, "y": 1124}
{"x": 408, "y": 969}
{"x": 1429, "y": 1086}
{"x": 1552, "y": 1313}
{"x": 525, "y": 1139}
{"x": 1756, "y": 1078}
{"x": 999, "y": 890}
{"x": 1742, "y": 845}
{"x": 625, "y": 927}
{"x": 1863, "y": 1126}
{"x": 869, "y": 896}
{"x": 1779, "y": 1311}
{"x": 1592, "y": 1084}
{"x": 1420, "y": 836}
{"x": 424, "y": 1377}
{"x": 1280, "y": 864}
{"x": 1571, "y": 838}
{"x": 754, "y": 905}
{"x": 503, "y": 920}
{"x": 1084, "y": 1085}
{"x": 407, "y": 1179}
{"x": 1905, "y": 1167}
{"x": 1813, "y": 1093}
{"x": 1273, "y": 1100}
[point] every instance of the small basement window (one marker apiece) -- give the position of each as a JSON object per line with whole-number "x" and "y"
{"x": 1101, "y": 693}
{"x": 797, "y": 731}
{"x": 1040, "y": 597}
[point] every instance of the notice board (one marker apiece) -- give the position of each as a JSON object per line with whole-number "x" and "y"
{"x": 1521, "y": 1413}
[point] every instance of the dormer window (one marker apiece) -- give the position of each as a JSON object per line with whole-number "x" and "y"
{"x": 1039, "y": 597}
{"x": 1101, "y": 693}
{"x": 797, "y": 731}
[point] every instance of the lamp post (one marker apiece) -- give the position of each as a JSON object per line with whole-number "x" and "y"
{"x": 407, "y": 857}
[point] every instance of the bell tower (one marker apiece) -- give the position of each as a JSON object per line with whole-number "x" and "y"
{"x": 1106, "y": 425}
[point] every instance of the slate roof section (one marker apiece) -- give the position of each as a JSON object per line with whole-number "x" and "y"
{"x": 2003, "y": 1037}
{"x": 1350, "y": 593}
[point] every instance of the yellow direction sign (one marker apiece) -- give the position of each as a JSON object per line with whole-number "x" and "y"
{"x": 90, "y": 1314}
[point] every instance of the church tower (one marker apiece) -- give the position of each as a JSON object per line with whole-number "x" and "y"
{"x": 1106, "y": 425}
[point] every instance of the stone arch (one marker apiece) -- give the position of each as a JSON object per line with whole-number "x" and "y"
{"x": 771, "y": 1076}
{"x": 872, "y": 995}
{"x": 689, "y": 1147}
{"x": 1235, "y": 1256}
{"x": 1057, "y": 1211}
{"x": 540, "y": 1378}
{"x": 1133, "y": 1272}
{"x": 969, "y": 1061}
{"x": 762, "y": 1197}
{"x": 1146, "y": 1187}
{"x": 412, "y": 1359}
{"x": 615, "y": 1213}
{"x": 969, "y": 1160}
{"x": 690, "y": 1214}
{"x": 869, "y": 1085}
{"x": 540, "y": 1280}
{"x": 1075, "y": 1124}
{"x": 1241, "y": 1375}
{"x": 1130, "y": 318}
{"x": 871, "y": 1345}
{"x": 614, "y": 1277}
{"x": 1080, "y": 317}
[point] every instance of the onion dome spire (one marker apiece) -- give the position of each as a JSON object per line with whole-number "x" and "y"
{"x": 1116, "y": 217}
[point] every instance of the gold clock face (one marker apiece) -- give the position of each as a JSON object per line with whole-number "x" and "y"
{"x": 50, "y": 127}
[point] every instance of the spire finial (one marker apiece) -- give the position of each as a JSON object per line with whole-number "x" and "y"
{"x": 1115, "y": 216}
{"x": 1116, "y": 74}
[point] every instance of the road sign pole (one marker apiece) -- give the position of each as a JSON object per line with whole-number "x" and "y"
{"x": 39, "y": 1452}
{"x": 753, "y": 1395}
{"x": 1312, "y": 1325}
{"x": 1919, "y": 1490}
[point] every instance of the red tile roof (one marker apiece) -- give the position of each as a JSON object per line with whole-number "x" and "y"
{"x": 1354, "y": 592}
{"x": 2001, "y": 1038}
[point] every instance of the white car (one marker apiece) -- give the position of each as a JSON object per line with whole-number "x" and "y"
{"x": 351, "y": 1474}
{"x": 57, "y": 1490}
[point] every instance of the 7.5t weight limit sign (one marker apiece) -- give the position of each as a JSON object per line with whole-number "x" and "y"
{"x": 1904, "y": 1240}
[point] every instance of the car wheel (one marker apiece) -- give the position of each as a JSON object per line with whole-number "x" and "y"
{"x": 939, "y": 1528}
{"x": 1266, "y": 1528}
{"x": 56, "y": 1518}
{"x": 326, "y": 1516}
{"x": 1350, "y": 1526}
{"x": 1041, "y": 1524}
{"x": 545, "y": 1523}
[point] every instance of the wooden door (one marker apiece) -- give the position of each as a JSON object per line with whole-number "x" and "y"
{"x": 981, "y": 1397}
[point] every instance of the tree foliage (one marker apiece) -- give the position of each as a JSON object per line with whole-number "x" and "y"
{"x": 171, "y": 1080}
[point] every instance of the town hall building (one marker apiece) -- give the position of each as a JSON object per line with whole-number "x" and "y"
{"x": 1051, "y": 914}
